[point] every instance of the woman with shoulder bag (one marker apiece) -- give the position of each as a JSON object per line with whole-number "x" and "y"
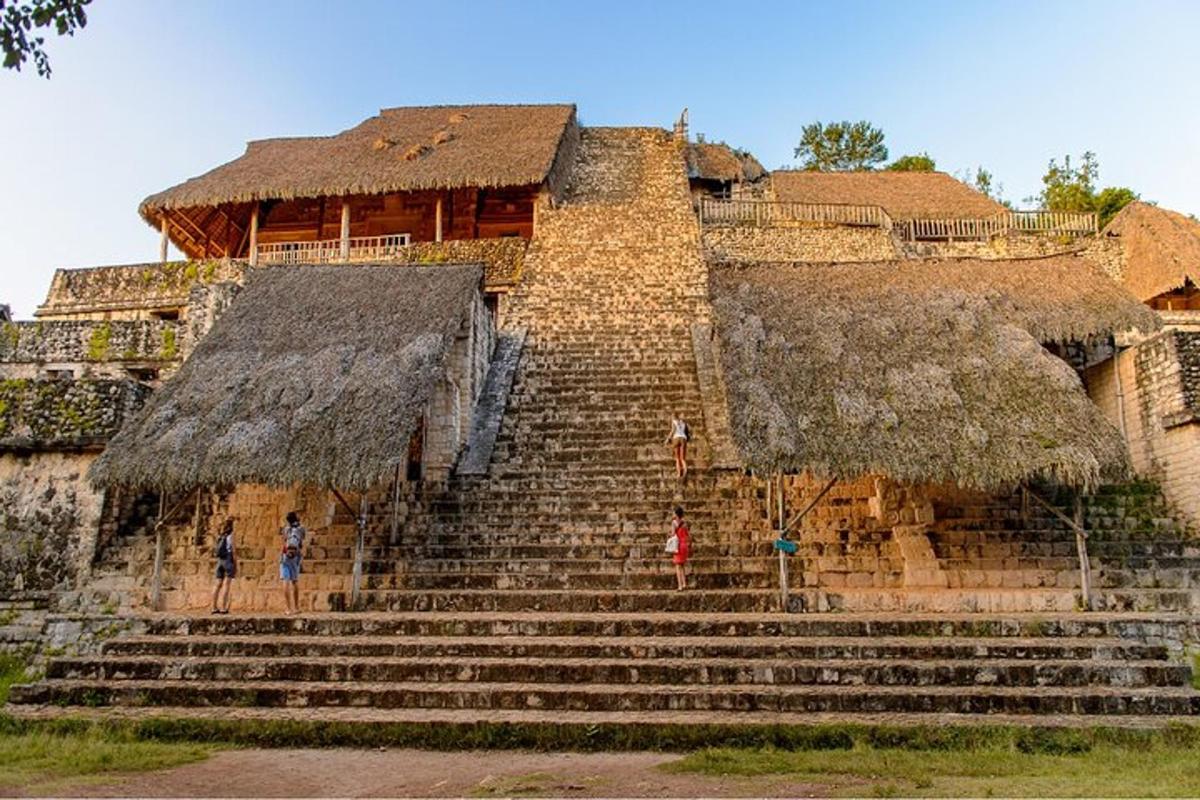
{"x": 679, "y": 546}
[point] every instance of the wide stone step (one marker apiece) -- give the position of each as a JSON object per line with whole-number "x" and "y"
{"x": 1146, "y": 627}
{"x": 670, "y": 673}
{"x": 660, "y": 579}
{"x": 1103, "y": 700}
{"x": 573, "y": 600}
{"x": 828, "y": 648}
{"x": 722, "y": 727}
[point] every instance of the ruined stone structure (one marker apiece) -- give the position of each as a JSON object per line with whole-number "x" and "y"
{"x": 490, "y": 513}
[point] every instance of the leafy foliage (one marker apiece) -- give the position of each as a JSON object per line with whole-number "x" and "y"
{"x": 922, "y": 162}
{"x": 21, "y": 22}
{"x": 840, "y": 146}
{"x": 1073, "y": 188}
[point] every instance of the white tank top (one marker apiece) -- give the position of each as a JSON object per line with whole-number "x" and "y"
{"x": 678, "y": 429}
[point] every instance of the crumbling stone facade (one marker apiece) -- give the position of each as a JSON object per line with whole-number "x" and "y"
{"x": 130, "y": 292}
{"x": 1149, "y": 391}
{"x": 812, "y": 242}
{"x": 49, "y": 519}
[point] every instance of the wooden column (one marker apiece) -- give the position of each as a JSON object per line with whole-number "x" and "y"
{"x": 254, "y": 236}
{"x": 345, "y": 250}
{"x": 437, "y": 217}
{"x": 164, "y": 241}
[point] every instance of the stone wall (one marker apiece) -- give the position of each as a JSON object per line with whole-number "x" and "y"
{"x": 134, "y": 291}
{"x": 49, "y": 519}
{"x": 49, "y": 414}
{"x": 91, "y": 347}
{"x": 802, "y": 243}
{"x": 502, "y": 259}
{"x": 448, "y": 421}
{"x": 1013, "y": 245}
{"x": 1156, "y": 409}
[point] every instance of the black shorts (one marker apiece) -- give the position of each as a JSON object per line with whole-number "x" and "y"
{"x": 226, "y": 568}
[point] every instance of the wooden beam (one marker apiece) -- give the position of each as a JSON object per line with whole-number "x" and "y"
{"x": 254, "y": 236}
{"x": 437, "y": 220}
{"x": 345, "y": 234}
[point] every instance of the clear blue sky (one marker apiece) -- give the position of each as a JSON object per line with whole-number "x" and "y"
{"x": 154, "y": 92}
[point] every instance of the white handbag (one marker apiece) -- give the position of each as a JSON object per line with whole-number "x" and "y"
{"x": 673, "y": 544}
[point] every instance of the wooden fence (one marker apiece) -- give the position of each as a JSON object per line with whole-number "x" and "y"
{"x": 765, "y": 213}
{"x": 331, "y": 251}
{"x": 983, "y": 228}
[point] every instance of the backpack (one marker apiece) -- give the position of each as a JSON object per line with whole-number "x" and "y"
{"x": 222, "y": 552}
{"x": 294, "y": 541}
{"x": 687, "y": 432}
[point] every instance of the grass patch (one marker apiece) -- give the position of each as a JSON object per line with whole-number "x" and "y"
{"x": 14, "y": 668}
{"x": 1082, "y": 767}
{"x": 43, "y": 759}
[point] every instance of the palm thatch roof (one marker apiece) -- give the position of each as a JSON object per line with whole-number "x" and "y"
{"x": 709, "y": 161}
{"x": 315, "y": 375}
{"x": 920, "y": 370}
{"x": 904, "y": 195}
{"x": 1161, "y": 248}
{"x": 401, "y": 149}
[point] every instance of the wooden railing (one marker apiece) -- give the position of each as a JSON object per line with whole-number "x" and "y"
{"x": 981, "y": 228}
{"x": 767, "y": 213}
{"x": 329, "y": 251}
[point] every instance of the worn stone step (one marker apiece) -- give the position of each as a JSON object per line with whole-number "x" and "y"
{"x": 572, "y": 600}
{"x": 830, "y": 648}
{"x": 669, "y": 673}
{"x": 590, "y": 697}
{"x": 1077, "y": 626}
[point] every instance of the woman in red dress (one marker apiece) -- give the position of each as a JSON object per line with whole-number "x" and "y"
{"x": 679, "y": 530}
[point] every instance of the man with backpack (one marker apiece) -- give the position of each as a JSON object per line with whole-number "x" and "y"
{"x": 292, "y": 535}
{"x": 226, "y": 568}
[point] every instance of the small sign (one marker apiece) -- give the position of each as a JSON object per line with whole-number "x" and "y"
{"x": 788, "y": 547}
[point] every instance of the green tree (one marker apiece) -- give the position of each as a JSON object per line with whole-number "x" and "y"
{"x": 1112, "y": 199}
{"x": 21, "y": 22}
{"x": 918, "y": 163}
{"x": 1068, "y": 188}
{"x": 840, "y": 146}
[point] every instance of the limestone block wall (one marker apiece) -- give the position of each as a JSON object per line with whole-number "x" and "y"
{"x": 134, "y": 291}
{"x": 820, "y": 243}
{"x": 1156, "y": 405}
{"x": 502, "y": 259}
{"x": 448, "y": 419}
{"x": 1013, "y": 245}
{"x": 49, "y": 519}
{"x": 86, "y": 347}
{"x": 48, "y": 414}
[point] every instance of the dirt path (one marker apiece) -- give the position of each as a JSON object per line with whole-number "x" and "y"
{"x": 415, "y": 773}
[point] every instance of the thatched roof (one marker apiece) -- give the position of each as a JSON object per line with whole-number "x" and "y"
{"x": 1161, "y": 248}
{"x": 709, "y": 161}
{"x": 919, "y": 370}
{"x": 904, "y": 195}
{"x": 401, "y": 149}
{"x": 314, "y": 375}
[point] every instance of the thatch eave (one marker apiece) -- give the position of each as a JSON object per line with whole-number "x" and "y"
{"x": 315, "y": 375}
{"x": 920, "y": 371}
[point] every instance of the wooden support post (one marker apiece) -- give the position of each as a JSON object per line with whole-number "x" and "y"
{"x": 783, "y": 582}
{"x": 165, "y": 241}
{"x": 770, "y": 508}
{"x": 254, "y": 236}
{"x": 361, "y": 524}
{"x": 1085, "y": 564}
{"x": 779, "y": 499}
{"x": 156, "y": 579}
{"x": 437, "y": 219}
{"x": 396, "y": 508}
{"x": 196, "y": 520}
{"x": 345, "y": 237}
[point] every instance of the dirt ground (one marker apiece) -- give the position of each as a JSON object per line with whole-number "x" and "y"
{"x": 415, "y": 773}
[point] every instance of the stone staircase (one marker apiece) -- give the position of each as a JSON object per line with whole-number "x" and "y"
{"x": 535, "y": 590}
{"x": 634, "y": 669}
